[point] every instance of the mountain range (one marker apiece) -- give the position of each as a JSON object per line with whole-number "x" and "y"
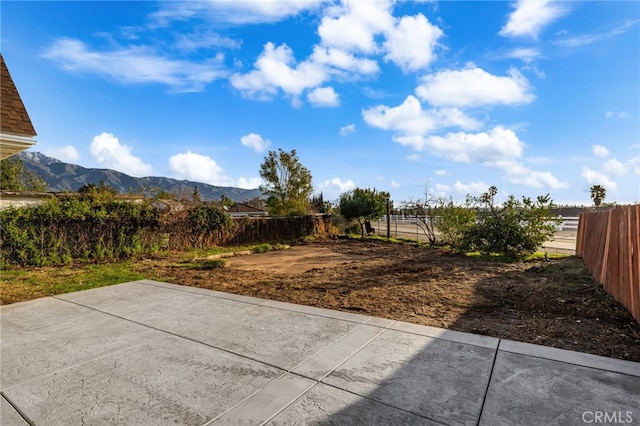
{"x": 61, "y": 176}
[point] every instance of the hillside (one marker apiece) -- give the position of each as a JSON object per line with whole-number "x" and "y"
{"x": 61, "y": 176}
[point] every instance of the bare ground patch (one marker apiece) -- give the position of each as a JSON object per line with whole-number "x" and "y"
{"x": 554, "y": 303}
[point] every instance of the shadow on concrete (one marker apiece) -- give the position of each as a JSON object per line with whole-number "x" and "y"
{"x": 414, "y": 378}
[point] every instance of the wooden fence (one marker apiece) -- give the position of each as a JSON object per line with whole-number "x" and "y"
{"x": 609, "y": 244}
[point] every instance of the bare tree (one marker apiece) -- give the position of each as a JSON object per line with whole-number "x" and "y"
{"x": 425, "y": 211}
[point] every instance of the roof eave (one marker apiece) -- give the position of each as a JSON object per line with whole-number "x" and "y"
{"x": 11, "y": 144}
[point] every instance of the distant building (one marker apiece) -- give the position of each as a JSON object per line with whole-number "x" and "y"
{"x": 244, "y": 210}
{"x": 16, "y": 131}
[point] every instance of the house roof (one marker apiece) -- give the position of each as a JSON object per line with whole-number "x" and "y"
{"x": 14, "y": 118}
{"x": 243, "y": 208}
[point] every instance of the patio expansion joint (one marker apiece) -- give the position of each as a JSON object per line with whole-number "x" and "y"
{"x": 263, "y": 303}
{"x": 377, "y": 401}
{"x": 486, "y": 390}
{"x": 178, "y": 336}
{"x": 20, "y": 413}
{"x": 291, "y": 372}
{"x": 564, "y": 356}
{"x": 186, "y": 289}
{"x": 320, "y": 380}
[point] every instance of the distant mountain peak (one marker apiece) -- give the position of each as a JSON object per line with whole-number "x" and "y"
{"x": 61, "y": 176}
{"x": 38, "y": 157}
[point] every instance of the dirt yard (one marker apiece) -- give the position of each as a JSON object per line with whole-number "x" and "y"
{"x": 554, "y": 303}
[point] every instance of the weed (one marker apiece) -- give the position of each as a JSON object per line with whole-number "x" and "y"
{"x": 206, "y": 264}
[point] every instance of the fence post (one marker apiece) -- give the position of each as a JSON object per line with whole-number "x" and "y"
{"x": 388, "y": 220}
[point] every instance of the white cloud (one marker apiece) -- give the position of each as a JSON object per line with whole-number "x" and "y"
{"x": 332, "y": 188}
{"x": 531, "y": 16}
{"x": 275, "y": 69}
{"x": 600, "y": 151}
{"x": 634, "y": 165}
{"x": 199, "y": 168}
{"x": 526, "y": 54}
{"x": 611, "y": 114}
{"x": 413, "y": 157}
{"x": 614, "y": 167}
{"x": 473, "y": 188}
{"x": 441, "y": 188}
{"x": 67, "y": 153}
{"x": 394, "y": 184}
{"x": 135, "y": 65}
{"x": 348, "y": 129}
{"x": 442, "y": 173}
{"x": 204, "y": 40}
{"x": 353, "y": 25}
{"x": 107, "y": 151}
{"x": 497, "y": 144}
{"x": 344, "y": 60}
{"x": 586, "y": 39}
{"x": 255, "y": 142}
{"x": 411, "y": 42}
{"x": 323, "y": 97}
{"x": 519, "y": 174}
{"x": 249, "y": 183}
{"x": 474, "y": 87}
{"x": 594, "y": 177}
{"x": 410, "y": 118}
{"x": 233, "y": 11}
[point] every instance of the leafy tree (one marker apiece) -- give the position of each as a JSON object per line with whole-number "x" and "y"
{"x": 15, "y": 177}
{"x": 363, "y": 205}
{"x": 226, "y": 201}
{"x": 319, "y": 205}
{"x": 598, "y": 194}
{"x": 516, "y": 228}
{"x": 287, "y": 184}
{"x": 100, "y": 189}
{"x": 196, "y": 195}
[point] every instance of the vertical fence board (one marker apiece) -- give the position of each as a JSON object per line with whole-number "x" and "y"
{"x": 609, "y": 244}
{"x": 635, "y": 262}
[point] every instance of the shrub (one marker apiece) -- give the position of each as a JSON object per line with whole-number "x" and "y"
{"x": 207, "y": 218}
{"x": 453, "y": 223}
{"x": 57, "y": 231}
{"x": 515, "y": 229}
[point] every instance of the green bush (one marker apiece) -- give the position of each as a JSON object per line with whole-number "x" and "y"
{"x": 207, "y": 218}
{"x": 453, "y": 223}
{"x": 515, "y": 229}
{"x": 89, "y": 228}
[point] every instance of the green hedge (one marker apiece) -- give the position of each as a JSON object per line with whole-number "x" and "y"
{"x": 93, "y": 228}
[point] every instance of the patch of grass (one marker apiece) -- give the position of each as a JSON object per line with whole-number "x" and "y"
{"x": 29, "y": 283}
{"x": 255, "y": 248}
{"x": 261, "y": 248}
{"x": 492, "y": 257}
{"x": 539, "y": 255}
{"x": 569, "y": 270}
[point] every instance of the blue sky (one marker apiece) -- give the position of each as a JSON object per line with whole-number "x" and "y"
{"x": 533, "y": 97}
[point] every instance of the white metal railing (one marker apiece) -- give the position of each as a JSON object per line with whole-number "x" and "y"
{"x": 569, "y": 223}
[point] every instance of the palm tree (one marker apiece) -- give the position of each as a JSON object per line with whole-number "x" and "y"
{"x": 598, "y": 194}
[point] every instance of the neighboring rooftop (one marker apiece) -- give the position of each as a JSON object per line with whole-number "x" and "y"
{"x": 16, "y": 130}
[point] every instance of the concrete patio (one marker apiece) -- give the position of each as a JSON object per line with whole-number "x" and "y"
{"x": 151, "y": 353}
